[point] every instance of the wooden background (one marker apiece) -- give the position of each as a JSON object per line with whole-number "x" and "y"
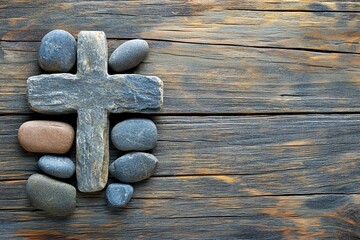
{"x": 258, "y": 137}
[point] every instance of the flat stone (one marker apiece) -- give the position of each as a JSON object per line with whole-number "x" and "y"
{"x": 137, "y": 134}
{"x": 93, "y": 94}
{"x": 57, "y": 51}
{"x": 55, "y": 197}
{"x": 128, "y": 55}
{"x": 57, "y": 166}
{"x": 118, "y": 195}
{"x": 40, "y": 136}
{"x": 133, "y": 167}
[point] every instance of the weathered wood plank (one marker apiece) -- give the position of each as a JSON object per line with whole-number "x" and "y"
{"x": 325, "y": 26}
{"x": 219, "y": 177}
{"x": 218, "y": 79}
{"x": 220, "y": 69}
{"x": 316, "y": 149}
{"x": 294, "y": 217}
{"x": 248, "y": 177}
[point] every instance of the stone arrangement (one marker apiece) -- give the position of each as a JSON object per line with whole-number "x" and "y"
{"x": 93, "y": 94}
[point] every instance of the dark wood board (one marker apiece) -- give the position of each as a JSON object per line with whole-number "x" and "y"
{"x": 214, "y": 57}
{"x": 248, "y": 177}
{"x": 258, "y": 137}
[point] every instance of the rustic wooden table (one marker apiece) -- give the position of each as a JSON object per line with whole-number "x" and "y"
{"x": 258, "y": 137}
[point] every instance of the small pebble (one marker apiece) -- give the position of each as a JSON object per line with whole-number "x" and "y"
{"x": 54, "y": 197}
{"x": 137, "y": 134}
{"x": 57, "y": 166}
{"x": 133, "y": 167}
{"x": 118, "y": 195}
{"x": 57, "y": 51}
{"x": 46, "y": 136}
{"x": 128, "y": 55}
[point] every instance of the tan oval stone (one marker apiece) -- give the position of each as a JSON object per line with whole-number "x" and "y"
{"x": 46, "y": 136}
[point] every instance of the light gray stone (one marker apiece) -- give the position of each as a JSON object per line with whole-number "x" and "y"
{"x": 136, "y": 134}
{"x": 133, "y": 167}
{"x": 128, "y": 55}
{"x": 57, "y": 51}
{"x": 93, "y": 94}
{"x": 118, "y": 195}
{"x": 57, "y": 166}
{"x": 55, "y": 197}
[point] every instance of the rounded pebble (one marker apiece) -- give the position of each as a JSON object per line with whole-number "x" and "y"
{"x": 133, "y": 167}
{"x": 57, "y": 166}
{"x": 57, "y": 51}
{"x": 137, "y": 134}
{"x": 54, "y": 197}
{"x": 128, "y": 55}
{"x": 118, "y": 195}
{"x": 46, "y": 136}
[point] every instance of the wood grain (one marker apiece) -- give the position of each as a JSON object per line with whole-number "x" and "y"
{"x": 258, "y": 137}
{"x": 214, "y": 57}
{"x": 248, "y": 177}
{"x": 222, "y": 79}
{"x": 326, "y": 25}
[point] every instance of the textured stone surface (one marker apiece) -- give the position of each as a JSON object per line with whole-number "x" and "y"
{"x": 57, "y": 51}
{"x": 137, "y": 134}
{"x": 57, "y": 166}
{"x": 93, "y": 94}
{"x": 118, "y": 195}
{"x": 55, "y": 197}
{"x": 46, "y": 136}
{"x": 133, "y": 167}
{"x": 128, "y": 55}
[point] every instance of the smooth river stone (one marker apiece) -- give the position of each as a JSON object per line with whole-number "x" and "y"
{"x": 57, "y": 166}
{"x": 133, "y": 167}
{"x": 46, "y": 136}
{"x": 128, "y": 55}
{"x": 118, "y": 195}
{"x": 55, "y": 197}
{"x": 57, "y": 52}
{"x": 137, "y": 134}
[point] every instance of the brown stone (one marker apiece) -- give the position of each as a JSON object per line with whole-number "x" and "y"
{"x": 46, "y": 136}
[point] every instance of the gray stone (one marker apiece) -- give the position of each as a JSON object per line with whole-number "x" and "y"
{"x": 93, "y": 94}
{"x": 128, "y": 55}
{"x": 118, "y": 195}
{"x": 54, "y": 197}
{"x": 133, "y": 167}
{"x": 57, "y": 51}
{"x": 137, "y": 134}
{"x": 57, "y": 166}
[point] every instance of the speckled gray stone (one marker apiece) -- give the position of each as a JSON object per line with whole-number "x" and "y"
{"x": 57, "y": 51}
{"x": 136, "y": 134}
{"x": 118, "y": 195}
{"x": 55, "y": 197}
{"x": 92, "y": 93}
{"x": 57, "y": 166}
{"x": 128, "y": 55}
{"x": 133, "y": 167}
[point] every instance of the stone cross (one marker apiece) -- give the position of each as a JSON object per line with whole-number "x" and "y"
{"x": 93, "y": 94}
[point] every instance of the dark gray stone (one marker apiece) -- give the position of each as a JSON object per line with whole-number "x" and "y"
{"x": 133, "y": 167}
{"x": 118, "y": 195}
{"x": 128, "y": 55}
{"x": 137, "y": 134}
{"x": 93, "y": 94}
{"x": 57, "y": 166}
{"x": 54, "y": 197}
{"x": 57, "y": 51}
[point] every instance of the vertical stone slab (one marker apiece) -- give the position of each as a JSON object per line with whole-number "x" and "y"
{"x": 92, "y": 149}
{"x": 92, "y": 53}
